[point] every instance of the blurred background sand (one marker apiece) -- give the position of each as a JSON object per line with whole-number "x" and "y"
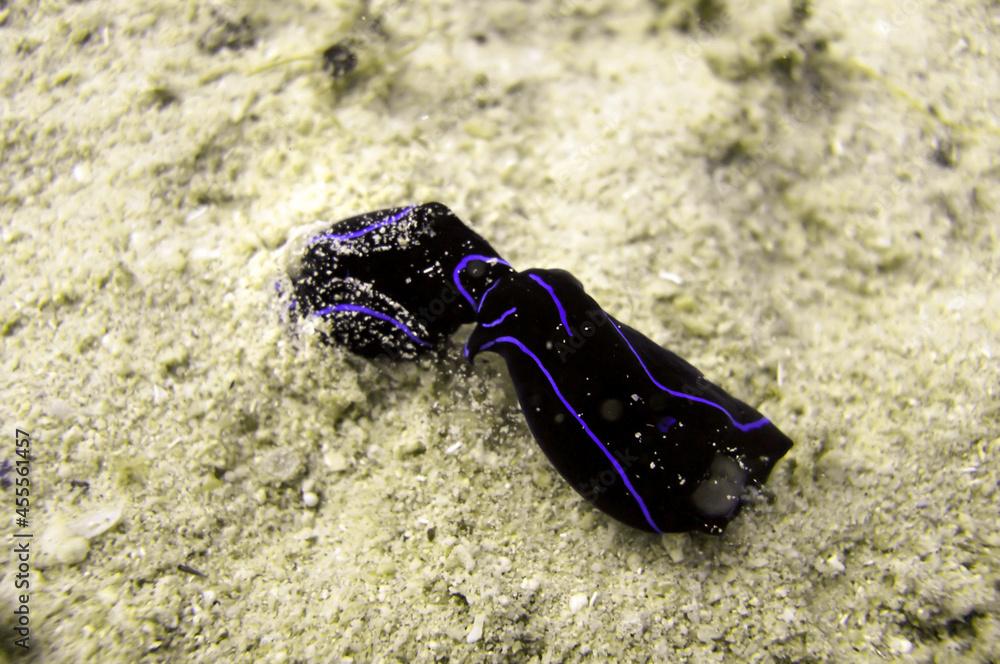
{"x": 800, "y": 198}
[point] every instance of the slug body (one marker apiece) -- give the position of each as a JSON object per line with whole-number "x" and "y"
{"x": 632, "y": 427}
{"x": 387, "y": 281}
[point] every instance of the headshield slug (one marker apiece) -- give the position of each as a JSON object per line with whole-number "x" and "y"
{"x": 632, "y": 427}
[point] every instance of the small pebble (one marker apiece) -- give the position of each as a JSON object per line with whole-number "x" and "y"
{"x": 900, "y": 646}
{"x": 335, "y": 461}
{"x": 577, "y": 602}
{"x": 280, "y": 464}
{"x": 96, "y": 522}
{"x": 708, "y": 633}
{"x": 530, "y": 585}
{"x": 72, "y": 550}
{"x": 476, "y": 632}
{"x": 81, "y": 173}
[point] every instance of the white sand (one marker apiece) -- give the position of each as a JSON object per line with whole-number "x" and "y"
{"x": 825, "y": 190}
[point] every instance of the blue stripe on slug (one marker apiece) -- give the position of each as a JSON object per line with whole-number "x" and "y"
{"x": 555, "y": 298}
{"x": 374, "y": 314}
{"x": 364, "y": 231}
{"x": 502, "y": 317}
{"x": 482, "y": 300}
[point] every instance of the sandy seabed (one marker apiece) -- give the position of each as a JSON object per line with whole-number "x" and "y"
{"x": 799, "y": 197}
